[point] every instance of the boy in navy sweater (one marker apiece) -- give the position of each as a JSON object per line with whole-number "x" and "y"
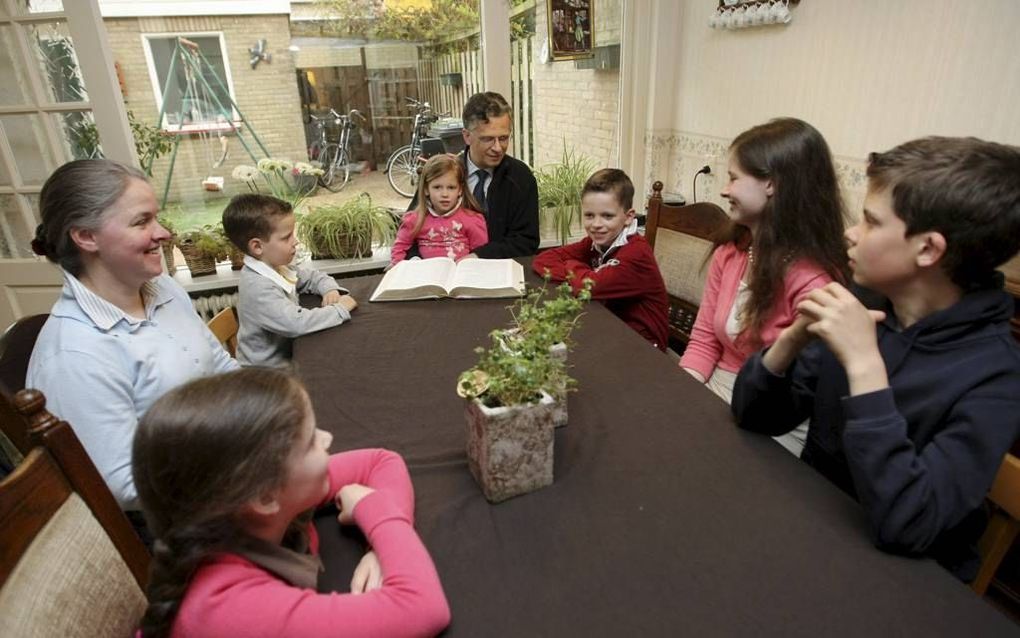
{"x": 912, "y": 404}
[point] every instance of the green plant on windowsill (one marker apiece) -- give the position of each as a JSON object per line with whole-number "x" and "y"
{"x": 202, "y": 248}
{"x": 559, "y": 193}
{"x": 346, "y": 231}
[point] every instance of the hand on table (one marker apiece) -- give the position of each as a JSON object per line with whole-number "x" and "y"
{"x": 330, "y": 298}
{"x": 347, "y": 498}
{"x": 347, "y": 301}
{"x": 367, "y": 575}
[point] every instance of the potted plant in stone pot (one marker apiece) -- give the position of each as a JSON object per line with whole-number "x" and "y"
{"x": 509, "y": 415}
{"x": 559, "y": 195}
{"x": 550, "y": 321}
{"x": 348, "y": 230}
{"x": 202, "y": 248}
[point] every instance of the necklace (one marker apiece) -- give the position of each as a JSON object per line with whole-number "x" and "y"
{"x": 750, "y": 255}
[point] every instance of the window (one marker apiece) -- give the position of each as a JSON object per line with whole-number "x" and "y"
{"x": 190, "y": 73}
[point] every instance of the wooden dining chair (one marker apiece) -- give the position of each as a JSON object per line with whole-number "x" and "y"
{"x": 681, "y": 238}
{"x": 16, "y": 346}
{"x": 70, "y": 562}
{"x": 1004, "y": 523}
{"x": 224, "y": 326}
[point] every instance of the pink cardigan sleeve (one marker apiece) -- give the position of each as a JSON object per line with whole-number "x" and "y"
{"x": 376, "y": 468}
{"x": 704, "y": 349}
{"x": 404, "y": 238}
{"x": 238, "y": 598}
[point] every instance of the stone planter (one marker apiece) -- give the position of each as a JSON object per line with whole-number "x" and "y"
{"x": 510, "y": 449}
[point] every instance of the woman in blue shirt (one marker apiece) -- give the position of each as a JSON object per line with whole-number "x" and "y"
{"x": 123, "y": 332}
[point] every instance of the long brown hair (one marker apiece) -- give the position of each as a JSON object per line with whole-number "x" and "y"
{"x": 437, "y": 166}
{"x": 200, "y": 453}
{"x": 803, "y": 220}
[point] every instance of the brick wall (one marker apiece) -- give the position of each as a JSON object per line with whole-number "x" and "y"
{"x": 577, "y": 106}
{"x": 267, "y": 95}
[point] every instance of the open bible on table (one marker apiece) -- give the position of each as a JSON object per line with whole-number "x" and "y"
{"x": 443, "y": 277}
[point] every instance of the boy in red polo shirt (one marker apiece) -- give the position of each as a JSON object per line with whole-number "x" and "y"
{"x": 614, "y": 256}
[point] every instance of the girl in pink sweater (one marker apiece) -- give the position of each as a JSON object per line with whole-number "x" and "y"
{"x": 786, "y": 239}
{"x": 446, "y": 222}
{"x": 228, "y": 470}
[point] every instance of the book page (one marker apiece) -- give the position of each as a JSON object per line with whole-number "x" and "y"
{"x": 423, "y": 272}
{"x": 429, "y": 276}
{"x": 475, "y": 276}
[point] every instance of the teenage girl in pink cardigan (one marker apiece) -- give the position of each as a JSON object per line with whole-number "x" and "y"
{"x": 786, "y": 239}
{"x": 228, "y": 470}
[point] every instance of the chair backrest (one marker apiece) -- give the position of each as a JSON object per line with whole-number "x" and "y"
{"x": 16, "y": 346}
{"x": 35, "y": 427}
{"x": 70, "y": 563}
{"x": 224, "y": 326}
{"x": 681, "y": 238}
{"x": 1004, "y": 524}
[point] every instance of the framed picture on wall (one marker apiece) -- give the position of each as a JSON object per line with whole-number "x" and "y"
{"x": 571, "y": 29}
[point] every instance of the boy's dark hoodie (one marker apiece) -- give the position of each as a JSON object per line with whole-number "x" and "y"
{"x": 920, "y": 455}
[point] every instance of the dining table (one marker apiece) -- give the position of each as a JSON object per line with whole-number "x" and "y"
{"x": 663, "y": 519}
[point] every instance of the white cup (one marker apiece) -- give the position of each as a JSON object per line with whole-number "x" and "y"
{"x": 713, "y": 20}
{"x": 764, "y": 12}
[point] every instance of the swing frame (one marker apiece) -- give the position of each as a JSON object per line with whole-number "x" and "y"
{"x": 187, "y": 53}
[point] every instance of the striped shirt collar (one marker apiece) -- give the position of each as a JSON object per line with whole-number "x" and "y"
{"x": 106, "y": 315}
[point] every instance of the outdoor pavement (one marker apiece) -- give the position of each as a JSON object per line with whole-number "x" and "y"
{"x": 374, "y": 183}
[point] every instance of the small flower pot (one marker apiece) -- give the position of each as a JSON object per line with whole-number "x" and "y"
{"x": 168, "y": 256}
{"x": 236, "y": 259}
{"x": 510, "y": 449}
{"x": 199, "y": 263}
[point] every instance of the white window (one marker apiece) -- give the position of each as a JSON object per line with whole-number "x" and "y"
{"x": 193, "y": 80}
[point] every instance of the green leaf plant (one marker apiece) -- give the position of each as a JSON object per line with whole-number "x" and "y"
{"x": 348, "y": 230}
{"x": 518, "y": 364}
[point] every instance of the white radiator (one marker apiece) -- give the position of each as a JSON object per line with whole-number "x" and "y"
{"x": 208, "y": 306}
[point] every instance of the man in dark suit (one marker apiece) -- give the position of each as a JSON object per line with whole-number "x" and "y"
{"x": 503, "y": 185}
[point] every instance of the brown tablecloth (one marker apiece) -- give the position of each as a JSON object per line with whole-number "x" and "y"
{"x": 664, "y": 518}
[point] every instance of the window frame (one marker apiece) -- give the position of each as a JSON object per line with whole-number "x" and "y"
{"x": 157, "y": 87}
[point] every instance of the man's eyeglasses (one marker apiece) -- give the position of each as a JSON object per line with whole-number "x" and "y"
{"x": 489, "y": 140}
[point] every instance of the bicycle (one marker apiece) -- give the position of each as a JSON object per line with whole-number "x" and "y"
{"x": 402, "y": 166}
{"x": 334, "y": 157}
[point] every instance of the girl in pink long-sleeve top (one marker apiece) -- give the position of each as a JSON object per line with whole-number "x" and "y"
{"x": 229, "y": 469}
{"x": 447, "y": 221}
{"x": 786, "y": 240}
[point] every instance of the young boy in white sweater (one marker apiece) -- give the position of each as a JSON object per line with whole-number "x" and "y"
{"x": 268, "y": 311}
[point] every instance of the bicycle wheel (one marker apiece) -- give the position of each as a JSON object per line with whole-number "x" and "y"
{"x": 402, "y": 170}
{"x": 335, "y": 172}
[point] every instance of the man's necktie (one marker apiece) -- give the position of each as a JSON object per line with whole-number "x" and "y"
{"x": 479, "y": 191}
